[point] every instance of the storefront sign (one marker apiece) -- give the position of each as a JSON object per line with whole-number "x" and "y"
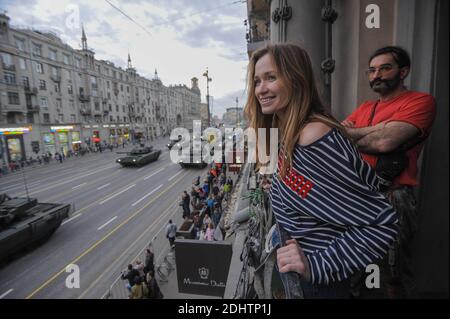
{"x": 61, "y": 128}
{"x": 49, "y": 138}
{"x": 202, "y": 266}
{"x": 15, "y": 130}
{"x": 62, "y": 137}
{"x": 76, "y": 138}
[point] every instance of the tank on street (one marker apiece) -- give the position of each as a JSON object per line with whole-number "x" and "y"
{"x": 139, "y": 157}
{"x": 24, "y": 222}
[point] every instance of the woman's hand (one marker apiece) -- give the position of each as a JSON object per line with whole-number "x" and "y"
{"x": 292, "y": 258}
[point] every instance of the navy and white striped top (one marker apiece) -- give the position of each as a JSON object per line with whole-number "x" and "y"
{"x": 330, "y": 203}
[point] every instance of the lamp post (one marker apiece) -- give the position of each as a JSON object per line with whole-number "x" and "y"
{"x": 208, "y": 79}
{"x": 237, "y": 112}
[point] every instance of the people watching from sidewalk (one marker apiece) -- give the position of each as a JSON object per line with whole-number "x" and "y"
{"x": 129, "y": 275}
{"x": 171, "y": 232}
{"x": 206, "y": 220}
{"x": 139, "y": 290}
{"x": 139, "y": 266}
{"x": 324, "y": 196}
{"x": 149, "y": 261}
{"x": 153, "y": 289}
{"x": 390, "y": 133}
{"x": 209, "y": 233}
{"x": 185, "y": 203}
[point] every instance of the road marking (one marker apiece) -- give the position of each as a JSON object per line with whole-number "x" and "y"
{"x": 154, "y": 173}
{"x": 75, "y": 187}
{"x": 101, "y": 187}
{"x": 87, "y": 251}
{"x": 175, "y": 175}
{"x": 134, "y": 204}
{"x": 70, "y": 219}
{"x": 109, "y": 221}
{"x": 67, "y": 181}
{"x": 6, "y": 293}
{"x": 124, "y": 190}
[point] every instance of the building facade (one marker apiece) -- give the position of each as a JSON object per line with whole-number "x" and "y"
{"x": 340, "y": 35}
{"x": 54, "y": 98}
{"x": 234, "y": 116}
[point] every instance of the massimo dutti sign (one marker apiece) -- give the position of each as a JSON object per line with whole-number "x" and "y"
{"x": 202, "y": 266}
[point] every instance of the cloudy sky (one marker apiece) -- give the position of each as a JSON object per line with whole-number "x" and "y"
{"x": 179, "y": 38}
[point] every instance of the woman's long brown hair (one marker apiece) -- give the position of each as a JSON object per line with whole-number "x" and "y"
{"x": 304, "y": 105}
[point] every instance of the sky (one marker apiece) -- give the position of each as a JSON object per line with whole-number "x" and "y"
{"x": 179, "y": 38}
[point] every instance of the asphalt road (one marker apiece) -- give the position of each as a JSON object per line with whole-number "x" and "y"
{"x": 117, "y": 212}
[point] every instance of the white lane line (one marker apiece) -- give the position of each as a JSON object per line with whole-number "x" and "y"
{"x": 6, "y": 293}
{"x": 99, "y": 188}
{"x": 140, "y": 169}
{"x": 134, "y": 204}
{"x": 154, "y": 173}
{"x": 109, "y": 221}
{"x": 75, "y": 187}
{"x": 124, "y": 190}
{"x": 70, "y": 219}
{"x": 175, "y": 175}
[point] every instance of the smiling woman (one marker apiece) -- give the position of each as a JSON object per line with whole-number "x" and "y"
{"x": 325, "y": 198}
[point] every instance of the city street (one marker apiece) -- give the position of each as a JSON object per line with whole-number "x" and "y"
{"x": 117, "y": 211}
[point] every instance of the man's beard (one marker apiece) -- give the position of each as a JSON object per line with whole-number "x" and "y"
{"x": 386, "y": 86}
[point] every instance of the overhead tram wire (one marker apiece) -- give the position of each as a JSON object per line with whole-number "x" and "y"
{"x": 128, "y": 17}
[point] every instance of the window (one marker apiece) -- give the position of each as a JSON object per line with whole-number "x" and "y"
{"x": 68, "y": 74}
{"x": 124, "y": 118}
{"x": 109, "y": 96}
{"x": 54, "y": 71}
{"x": 123, "y": 108}
{"x": 77, "y": 63}
{"x": 121, "y": 76}
{"x": 73, "y": 118}
{"x": 46, "y": 118}
{"x": 110, "y": 107}
{"x": 42, "y": 85}
{"x": 37, "y": 49}
{"x": 121, "y": 88}
{"x": 128, "y": 89}
{"x": 30, "y": 118}
{"x": 107, "y": 85}
{"x": 111, "y": 119}
{"x": 61, "y": 118}
{"x": 10, "y": 78}
{"x": 22, "y": 64}
{"x": 69, "y": 89}
{"x": 43, "y": 103}
{"x": 25, "y": 81}
{"x": 6, "y": 59}
{"x": 13, "y": 98}
{"x": 57, "y": 89}
{"x": 117, "y": 108}
{"x": 97, "y": 106}
{"x": 52, "y": 54}
{"x": 66, "y": 59}
{"x": 20, "y": 44}
{"x": 71, "y": 104}
{"x": 11, "y": 118}
{"x": 118, "y": 118}
{"x": 39, "y": 67}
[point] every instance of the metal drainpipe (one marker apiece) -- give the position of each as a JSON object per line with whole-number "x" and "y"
{"x": 329, "y": 15}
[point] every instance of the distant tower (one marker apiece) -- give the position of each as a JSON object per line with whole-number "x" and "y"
{"x": 129, "y": 61}
{"x": 156, "y": 75}
{"x": 83, "y": 39}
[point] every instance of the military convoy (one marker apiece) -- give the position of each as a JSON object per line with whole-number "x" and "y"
{"x": 139, "y": 157}
{"x": 24, "y": 222}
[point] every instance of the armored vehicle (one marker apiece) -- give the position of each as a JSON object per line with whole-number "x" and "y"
{"x": 24, "y": 222}
{"x": 139, "y": 156}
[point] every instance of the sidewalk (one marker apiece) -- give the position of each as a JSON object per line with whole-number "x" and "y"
{"x": 170, "y": 288}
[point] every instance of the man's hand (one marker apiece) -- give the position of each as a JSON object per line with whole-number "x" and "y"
{"x": 292, "y": 258}
{"x": 348, "y": 124}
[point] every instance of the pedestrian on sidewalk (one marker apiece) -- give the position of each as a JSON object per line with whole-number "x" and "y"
{"x": 171, "y": 232}
{"x": 153, "y": 289}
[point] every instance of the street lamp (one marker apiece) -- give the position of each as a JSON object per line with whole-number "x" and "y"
{"x": 237, "y": 112}
{"x": 208, "y": 79}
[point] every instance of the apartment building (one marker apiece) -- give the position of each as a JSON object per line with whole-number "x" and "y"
{"x": 55, "y": 98}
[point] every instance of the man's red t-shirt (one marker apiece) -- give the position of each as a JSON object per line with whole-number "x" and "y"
{"x": 415, "y": 108}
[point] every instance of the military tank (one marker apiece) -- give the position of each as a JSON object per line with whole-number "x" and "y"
{"x": 24, "y": 222}
{"x": 139, "y": 156}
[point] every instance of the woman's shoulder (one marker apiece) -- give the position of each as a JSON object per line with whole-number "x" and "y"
{"x": 312, "y": 132}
